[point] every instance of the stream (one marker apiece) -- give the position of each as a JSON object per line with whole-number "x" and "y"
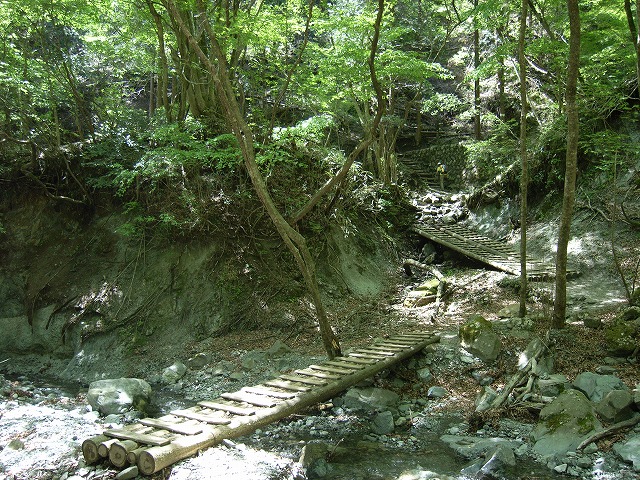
{"x": 43, "y": 423}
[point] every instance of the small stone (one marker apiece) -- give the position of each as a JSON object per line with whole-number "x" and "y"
{"x": 174, "y": 372}
{"x": 15, "y": 444}
{"x": 591, "y": 448}
{"x": 425, "y": 375}
{"x": 128, "y": 473}
{"x": 198, "y": 361}
{"x": 436, "y": 392}
{"x": 383, "y": 423}
{"x": 592, "y": 322}
{"x": 561, "y": 468}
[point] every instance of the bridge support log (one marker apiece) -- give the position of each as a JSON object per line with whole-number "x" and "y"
{"x": 154, "y": 459}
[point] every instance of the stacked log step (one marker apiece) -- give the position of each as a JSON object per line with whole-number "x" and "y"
{"x": 155, "y": 443}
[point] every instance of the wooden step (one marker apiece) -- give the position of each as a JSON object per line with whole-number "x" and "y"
{"x": 224, "y": 407}
{"x": 376, "y": 351}
{"x": 305, "y": 380}
{"x": 268, "y": 392}
{"x": 317, "y": 374}
{"x": 201, "y": 417}
{"x": 256, "y": 400}
{"x": 172, "y": 427}
{"x": 287, "y": 385}
{"x": 345, "y": 364}
{"x": 331, "y": 369}
{"x": 147, "y": 439}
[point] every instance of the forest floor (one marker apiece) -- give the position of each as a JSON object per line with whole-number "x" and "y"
{"x": 43, "y": 427}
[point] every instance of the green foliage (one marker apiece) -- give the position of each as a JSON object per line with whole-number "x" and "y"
{"x": 489, "y": 158}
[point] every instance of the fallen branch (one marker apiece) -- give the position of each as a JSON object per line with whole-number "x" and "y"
{"x": 615, "y": 428}
{"x": 532, "y": 353}
{"x": 407, "y": 263}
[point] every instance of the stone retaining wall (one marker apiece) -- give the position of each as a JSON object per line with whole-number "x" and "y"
{"x": 453, "y": 155}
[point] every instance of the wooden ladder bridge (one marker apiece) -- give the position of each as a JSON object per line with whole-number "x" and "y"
{"x": 491, "y": 252}
{"x": 155, "y": 443}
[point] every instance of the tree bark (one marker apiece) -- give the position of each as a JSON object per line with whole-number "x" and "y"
{"x": 476, "y": 83}
{"x": 524, "y": 174}
{"x": 568, "y": 200}
{"x": 294, "y": 241}
{"x": 163, "y": 78}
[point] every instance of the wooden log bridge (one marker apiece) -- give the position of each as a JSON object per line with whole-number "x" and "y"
{"x": 491, "y": 252}
{"x": 155, "y": 443}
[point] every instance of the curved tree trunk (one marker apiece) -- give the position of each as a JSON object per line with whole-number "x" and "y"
{"x": 294, "y": 241}
{"x": 568, "y": 200}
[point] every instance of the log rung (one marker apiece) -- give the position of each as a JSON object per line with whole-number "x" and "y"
{"x": 345, "y": 364}
{"x": 382, "y": 348}
{"x": 317, "y": 374}
{"x": 172, "y": 427}
{"x": 287, "y": 385}
{"x": 147, "y": 439}
{"x": 257, "y": 400}
{"x": 223, "y": 407}
{"x": 331, "y": 369}
{"x": 208, "y": 419}
{"x": 304, "y": 380}
{"x": 269, "y": 392}
{"x": 374, "y": 351}
{"x": 359, "y": 361}
{"x": 367, "y": 355}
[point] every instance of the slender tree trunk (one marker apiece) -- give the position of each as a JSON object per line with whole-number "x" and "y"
{"x": 524, "y": 176}
{"x": 560, "y": 303}
{"x": 635, "y": 35}
{"x": 295, "y": 242}
{"x": 163, "y": 77}
{"x": 476, "y": 83}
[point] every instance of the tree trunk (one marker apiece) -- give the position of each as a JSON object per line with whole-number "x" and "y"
{"x": 476, "y": 84}
{"x": 568, "y": 200}
{"x": 295, "y": 242}
{"x": 635, "y": 35}
{"x": 163, "y": 77}
{"x": 524, "y": 175}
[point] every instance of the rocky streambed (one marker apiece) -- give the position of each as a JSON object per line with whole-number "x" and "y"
{"x": 404, "y": 424}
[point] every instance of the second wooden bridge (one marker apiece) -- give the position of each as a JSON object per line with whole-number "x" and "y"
{"x": 155, "y": 443}
{"x": 486, "y": 250}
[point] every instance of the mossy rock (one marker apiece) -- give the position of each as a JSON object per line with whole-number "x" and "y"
{"x": 564, "y": 423}
{"x": 430, "y": 286}
{"x": 620, "y": 337}
{"x": 471, "y": 329}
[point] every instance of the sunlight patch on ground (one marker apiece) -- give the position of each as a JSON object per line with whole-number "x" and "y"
{"x": 238, "y": 463}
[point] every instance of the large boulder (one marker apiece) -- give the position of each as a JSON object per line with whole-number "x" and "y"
{"x": 629, "y": 451}
{"x": 369, "y": 398}
{"x": 596, "y": 386}
{"x": 119, "y": 395}
{"x": 615, "y": 406}
{"x": 479, "y": 339}
{"x": 563, "y": 424}
{"x": 620, "y": 337}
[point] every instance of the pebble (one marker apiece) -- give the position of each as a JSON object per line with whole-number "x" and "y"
{"x": 128, "y": 473}
{"x": 561, "y": 468}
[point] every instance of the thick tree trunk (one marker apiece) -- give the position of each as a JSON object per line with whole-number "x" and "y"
{"x": 524, "y": 174}
{"x": 560, "y": 303}
{"x": 476, "y": 84}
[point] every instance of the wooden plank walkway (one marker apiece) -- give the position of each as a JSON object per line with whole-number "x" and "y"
{"x": 491, "y": 252}
{"x": 155, "y": 443}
